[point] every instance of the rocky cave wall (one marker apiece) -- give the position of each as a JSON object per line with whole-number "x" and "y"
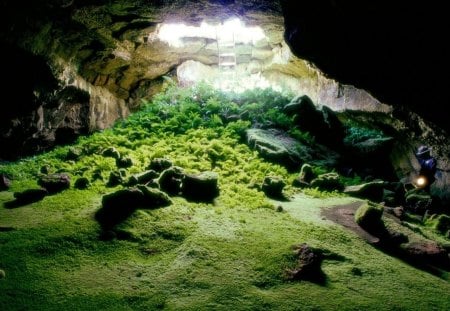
{"x": 105, "y": 49}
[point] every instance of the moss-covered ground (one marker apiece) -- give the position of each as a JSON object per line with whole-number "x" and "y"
{"x": 232, "y": 254}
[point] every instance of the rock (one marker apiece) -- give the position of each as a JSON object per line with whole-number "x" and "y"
{"x": 441, "y": 223}
{"x": 124, "y": 162}
{"x": 143, "y": 178}
{"x": 202, "y": 187}
{"x": 273, "y": 186}
{"x": 111, "y": 152}
{"x": 373, "y": 146}
{"x": 306, "y": 173}
{"x": 118, "y": 206}
{"x": 368, "y": 216}
{"x": 275, "y": 146}
{"x": 308, "y": 265}
{"x": 398, "y": 211}
{"x": 154, "y": 198}
{"x": 299, "y": 104}
{"x": 389, "y": 198}
{"x": 170, "y": 180}
{"x": 5, "y": 183}
{"x": 372, "y": 191}
{"x": 115, "y": 178}
{"x": 159, "y": 164}
{"x": 45, "y": 169}
{"x": 30, "y": 195}
{"x": 300, "y": 184}
{"x": 418, "y": 201}
{"x": 73, "y": 153}
{"x": 82, "y": 183}
{"x": 327, "y": 182}
{"x": 55, "y": 183}
{"x": 426, "y": 252}
{"x": 97, "y": 175}
{"x": 2, "y": 274}
{"x": 335, "y": 132}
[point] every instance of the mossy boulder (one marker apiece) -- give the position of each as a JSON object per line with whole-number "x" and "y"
{"x": 171, "y": 179}
{"x": 118, "y": 206}
{"x": 368, "y": 216}
{"x": 55, "y": 183}
{"x": 115, "y": 179}
{"x": 124, "y": 162}
{"x": 418, "y": 201}
{"x": 308, "y": 264}
{"x": 441, "y": 223}
{"x": 306, "y": 173}
{"x": 74, "y": 153}
{"x": 143, "y": 178}
{"x": 273, "y": 186}
{"x": 111, "y": 152}
{"x": 327, "y": 182}
{"x": 159, "y": 164}
{"x": 202, "y": 187}
{"x": 82, "y": 183}
{"x": 372, "y": 191}
{"x": 154, "y": 198}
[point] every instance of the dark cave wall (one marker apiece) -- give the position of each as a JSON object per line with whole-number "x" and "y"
{"x": 397, "y": 50}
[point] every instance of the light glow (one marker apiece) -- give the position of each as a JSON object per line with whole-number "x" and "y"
{"x": 421, "y": 181}
{"x": 235, "y": 29}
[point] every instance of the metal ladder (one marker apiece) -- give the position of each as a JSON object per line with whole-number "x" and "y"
{"x": 226, "y": 49}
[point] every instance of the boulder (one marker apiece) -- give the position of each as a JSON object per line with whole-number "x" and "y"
{"x": 143, "y": 177}
{"x": 368, "y": 216}
{"x": 111, "y": 152}
{"x": 171, "y": 179}
{"x": 5, "y": 183}
{"x": 154, "y": 198}
{"x": 30, "y": 196}
{"x": 308, "y": 264}
{"x": 202, "y": 187}
{"x": 327, "y": 182}
{"x": 273, "y": 186}
{"x": 159, "y": 164}
{"x": 441, "y": 223}
{"x": 298, "y": 105}
{"x": 335, "y": 131}
{"x": 418, "y": 201}
{"x": 427, "y": 252}
{"x": 306, "y": 173}
{"x": 82, "y": 183}
{"x": 115, "y": 178}
{"x": 118, "y": 206}
{"x": 73, "y": 154}
{"x": 55, "y": 183}
{"x": 275, "y": 146}
{"x": 372, "y": 191}
{"x": 124, "y": 162}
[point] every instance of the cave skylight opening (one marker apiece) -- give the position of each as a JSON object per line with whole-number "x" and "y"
{"x": 174, "y": 33}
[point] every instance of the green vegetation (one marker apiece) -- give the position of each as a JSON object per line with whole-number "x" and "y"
{"x": 229, "y": 255}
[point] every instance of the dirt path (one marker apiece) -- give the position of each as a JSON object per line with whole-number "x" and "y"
{"x": 344, "y": 215}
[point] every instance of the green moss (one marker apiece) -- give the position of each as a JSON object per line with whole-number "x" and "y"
{"x": 230, "y": 254}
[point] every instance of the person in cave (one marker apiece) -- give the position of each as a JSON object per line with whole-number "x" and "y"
{"x": 428, "y": 167}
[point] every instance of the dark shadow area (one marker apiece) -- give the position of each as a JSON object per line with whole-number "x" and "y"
{"x": 26, "y": 197}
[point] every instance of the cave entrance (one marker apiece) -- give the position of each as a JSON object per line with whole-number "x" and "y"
{"x": 236, "y": 54}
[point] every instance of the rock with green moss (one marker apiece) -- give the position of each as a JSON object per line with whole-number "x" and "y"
{"x": 372, "y": 191}
{"x": 327, "y": 182}
{"x": 73, "y": 153}
{"x": 154, "y": 198}
{"x": 171, "y": 179}
{"x": 275, "y": 146}
{"x": 143, "y": 178}
{"x": 201, "y": 187}
{"x": 368, "y": 216}
{"x": 111, "y": 152}
{"x": 418, "y": 201}
{"x": 124, "y": 162}
{"x": 159, "y": 164}
{"x": 82, "y": 183}
{"x": 305, "y": 177}
{"x": 55, "y": 183}
{"x": 441, "y": 223}
{"x": 115, "y": 178}
{"x": 273, "y": 186}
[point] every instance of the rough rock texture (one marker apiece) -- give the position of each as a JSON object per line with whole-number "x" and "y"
{"x": 202, "y": 187}
{"x": 55, "y": 183}
{"x": 308, "y": 266}
{"x": 273, "y": 186}
{"x": 371, "y": 190}
{"x": 368, "y": 216}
